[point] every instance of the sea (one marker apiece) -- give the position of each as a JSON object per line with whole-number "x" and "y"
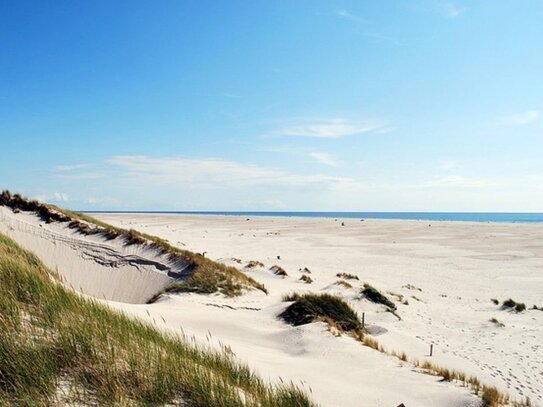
{"x": 511, "y": 217}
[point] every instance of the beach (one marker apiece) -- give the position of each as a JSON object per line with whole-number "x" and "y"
{"x": 442, "y": 276}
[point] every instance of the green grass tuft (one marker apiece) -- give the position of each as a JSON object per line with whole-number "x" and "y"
{"x": 374, "y": 295}
{"x": 308, "y": 308}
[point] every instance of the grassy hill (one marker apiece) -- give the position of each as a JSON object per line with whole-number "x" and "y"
{"x": 59, "y": 347}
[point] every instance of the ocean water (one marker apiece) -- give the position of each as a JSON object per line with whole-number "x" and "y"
{"x": 429, "y": 216}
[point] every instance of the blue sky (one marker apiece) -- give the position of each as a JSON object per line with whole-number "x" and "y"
{"x": 411, "y": 105}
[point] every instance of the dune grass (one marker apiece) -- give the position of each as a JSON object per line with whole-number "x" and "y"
{"x": 307, "y": 308}
{"x": 207, "y": 276}
{"x": 374, "y": 295}
{"x": 511, "y": 304}
{"x": 52, "y": 339}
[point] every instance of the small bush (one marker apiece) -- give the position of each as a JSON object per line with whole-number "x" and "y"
{"x": 511, "y": 304}
{"x": 344, "y": 283}
{"x": 308, "y": 308}
{"x": 374, "y": 295}
{"x": 254, "y": 263}
{"x": 306, "y": 279}
{"x": 495, "y": 301}
{"x": 496, "y": 322}
{"x": 279, "y": 271}
{"x": 347, "y": 276}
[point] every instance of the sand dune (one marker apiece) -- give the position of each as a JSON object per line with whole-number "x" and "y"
{"x": 106, "y": 269}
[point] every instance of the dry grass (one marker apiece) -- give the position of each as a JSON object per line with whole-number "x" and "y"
{"x": 347, "y": 276}
{"x": 374, "y": 295}
{"x": 306, "y": 279}
{"x": 343, "y": 283}
{"x": 279, "y": 271}
{"x": 254, "y": 263}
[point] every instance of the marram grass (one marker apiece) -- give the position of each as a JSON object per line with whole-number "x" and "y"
{"x": 59, "y": 347}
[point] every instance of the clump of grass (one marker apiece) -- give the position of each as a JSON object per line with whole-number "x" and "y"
{"x": 306, "y": 279}
{"x": 374, "y": 295}
{"x": 235, "y": 259}
{"x": 496, "y": 322}
{"x": 308, "y": 308}
{"x": 347, "y": 276}
{"x": 535, "y": 307}
{"x": 206, "y": 276}
{"x": 278, "y": 271}
{"x": 254, "y": 263}
{"x": 495, "y": 301}
{"x": 511, "y": 304}
{"x": 344, "y": 283}
{"x": 305, "y": 270}
{"x": 50, "y": 336}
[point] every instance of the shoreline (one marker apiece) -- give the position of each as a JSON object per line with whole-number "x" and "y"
{"x": 265, "y": 215}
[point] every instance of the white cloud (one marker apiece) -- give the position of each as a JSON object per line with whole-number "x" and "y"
{"x": 211, "y": 173}
{"x": 324, "y": 158}
{"x": 328, "y": 128}
{"x": 523, "y": 118}
{"x": 68, "y": 168}
{"x": 455, "y": 181}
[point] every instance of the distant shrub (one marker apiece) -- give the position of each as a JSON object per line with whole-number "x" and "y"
{"x": 344, "y": 283}
{"x": 308, "y": 308}
{"x": 254, "y": 263}
{"x": 374, "y": 295}
{"x": 511, "y": 304}
{"x": 496, "y": 322}
{"x": 306, "y": 279}
{"x": 495, "y": 301}
{"x": 347, "y": 276}
{"x": 279, "y": 271}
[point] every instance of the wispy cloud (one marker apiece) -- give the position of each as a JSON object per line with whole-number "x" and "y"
{"x": 324, "y": 158}
{"x": 523, "y": 118}
{"x": 454, "y": 181}
{"x": 451, "y": 10}
{"x": 328, "y": 128}
{"x": 68, "y": 168}
{"x": 211, "y": 173}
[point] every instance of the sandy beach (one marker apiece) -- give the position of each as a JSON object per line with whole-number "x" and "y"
{"x": 446, "y": 274}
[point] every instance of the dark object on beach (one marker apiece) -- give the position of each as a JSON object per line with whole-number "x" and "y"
{"x": 247, "y": 219}
{"x": 342, "y": 223}
{"x": 402, "y": 405}
{"x": 278, "y": 257}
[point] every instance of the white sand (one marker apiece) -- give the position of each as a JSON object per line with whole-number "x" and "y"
{"x": 457, "y": 266}
{"x": 106, "y": 269}
{"x": 453, "y": 270}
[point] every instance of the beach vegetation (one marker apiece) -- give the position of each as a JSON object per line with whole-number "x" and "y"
{"x": 308, "y": 308}
{"x": 343, "y": 283}
{"x": 494, "y": 301}
{"x": 512, "y": 304}
{"x": 254, "y": 263}
{"x": 496, "y": 322}
{"x": 60, "y": 348}
{"x": 347, "y": 276}
{"x": 374, "y": 295}
{"x": 205, "y": 276}
{"x": 279, "y": 271}
{"x": 306, "y": 279}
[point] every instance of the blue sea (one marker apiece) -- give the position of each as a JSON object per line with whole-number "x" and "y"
{"x": 430, "y": 216}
